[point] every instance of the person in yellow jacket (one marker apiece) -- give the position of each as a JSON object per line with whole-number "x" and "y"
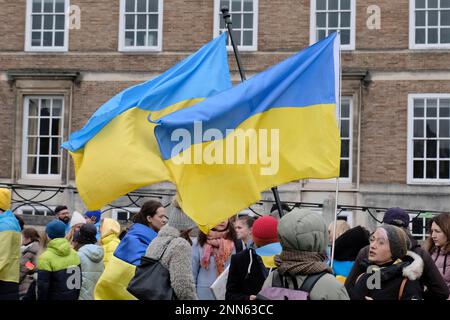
{"x": 109, "y": 232}
{"x": 10, "y": 241}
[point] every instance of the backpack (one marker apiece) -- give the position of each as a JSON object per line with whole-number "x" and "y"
{"x": 280, "y": 287}
{"x": 151, "y": 281}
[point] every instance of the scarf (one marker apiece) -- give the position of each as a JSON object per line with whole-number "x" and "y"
{"x": 301, "y": 262}
{"x": 219, "y": 247}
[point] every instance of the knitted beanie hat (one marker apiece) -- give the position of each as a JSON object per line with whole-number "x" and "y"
{"x": 398, "y": 241}
{"x": 264, "y": 231}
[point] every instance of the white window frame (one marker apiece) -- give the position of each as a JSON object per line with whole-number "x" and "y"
{"x": 412, "y": 31}
{"x": 123, "y": 48}
{"x": 424, "y": 235}
{"x": 24, "y": 161}
{"x": 410, "y": 149}
{"x": 312, "y": 27}
{"x": 47, "y": 211}
{"x": 129, "y": 210}
{"x": 216, "y": 27}
{"x": 28, "y": 30}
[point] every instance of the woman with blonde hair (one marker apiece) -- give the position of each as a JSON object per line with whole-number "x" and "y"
{"x": 75, "y": 224}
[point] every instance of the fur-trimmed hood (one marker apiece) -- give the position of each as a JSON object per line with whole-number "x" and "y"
{"x": 414, "y": 270}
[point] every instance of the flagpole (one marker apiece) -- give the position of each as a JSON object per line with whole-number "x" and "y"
{"x": 226, "y": 16}
{"x": 338, "y": 103}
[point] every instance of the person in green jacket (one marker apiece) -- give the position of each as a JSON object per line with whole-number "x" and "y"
{"x": 59, "y": 273}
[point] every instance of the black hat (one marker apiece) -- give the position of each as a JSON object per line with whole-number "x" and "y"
{"x": 87, "y": 235}
{"x": 348, "y": 244}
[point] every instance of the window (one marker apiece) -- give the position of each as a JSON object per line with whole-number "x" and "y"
{"x": 35, "y": 211}
{"x": 346, "y": 138}
{"x": 328, "y": 16}
{"x": 42, "y": 137}
{"x": 244, "y": 18}
{"x": 140, "y": 27}
{"x": 125, "y": 214}
{"x": 46, "y": 27}
{"x": 419, "y": 225}
{"x": 429, "y": 24}
{"x": 429, "y": 139}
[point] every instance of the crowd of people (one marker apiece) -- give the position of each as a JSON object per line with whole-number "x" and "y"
{"x": 87, "y": 257}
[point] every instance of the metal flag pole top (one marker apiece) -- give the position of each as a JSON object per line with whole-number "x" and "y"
{"x": 226, "y": 17}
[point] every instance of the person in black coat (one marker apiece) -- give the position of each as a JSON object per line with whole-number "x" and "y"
{"x": 248, "y": 269}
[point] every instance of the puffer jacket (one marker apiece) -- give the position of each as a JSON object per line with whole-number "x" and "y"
{"x": 391, "y": 276}
{"x": 91, "y": 257}
{"x": 442, "y": 262}
{"x": 110, "y": 230}
{"x": 304, "y": 230}
{"x": 177, "y": 259}
{"x": 29, "y": 254}
{"x": 59, "y": 274}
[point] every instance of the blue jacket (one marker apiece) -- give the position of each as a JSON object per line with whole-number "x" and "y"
{"x": 91, "y": 259}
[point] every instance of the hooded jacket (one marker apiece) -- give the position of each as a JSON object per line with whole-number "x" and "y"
{"x": 300, "y": 230}
{"x": 177, "y": 259}
{"x": 442, "y": 262}
{"x": 59, "y": 274}
{"x": 91, "y": 258}
{"x": 391, "y": 277}
{"x": 29, "y": 254}
{"x": 110, "y": 230}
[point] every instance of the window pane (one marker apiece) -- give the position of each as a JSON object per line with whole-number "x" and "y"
{"x": 237, "y": 37}
{"x": 48, "y": 39}
{"x": 444, "y": 128}
{"x": 418, "y": 128}
{"x": 44, "y": 146}
{"x": 129, "y": 39}
{"x": 321, "y": 20}
{"x": 54, "y": 167}
{"x": 345, "y": 148}
{"x": 333, "y": 18}
{"x": 236, "y": 5}
{"x": 48, "y": 22}
{"x": 321, "y": 5}
{"x": 152, "y": 39}
{"x": 36, "y": 39}
{"x": 345, "y": 36}
{"x": 432, "y": 18}
{"x": 444, "y": 149}
{"x": 59, "y": 5}
{"x": 31, "y": 165}
{"x": 55, "y": 146}
{"x": 333, "y": 4}
{"x": 129, "y": 21}
{"x": 431, "y": 170}
{"x": 56, "y": 127}
{"x": 37, "y": 6}
{"x": 37, "y": 22}
{"x": 431, "y": 148}
{"x": 236, "y": 20}
{"x": 420, "y": 18}
{"x": 344, "y": 170}
{"x": 248, "y": 5}
{"x": 321, "y": 34}
{"x": 432, "y": 3}
{"x": 44, "y": 128}
{"x": 431, "y": 107}
{"x": 345, "y": 4}
{"x": 248, "y": 20}
{"x": 420, "y": 36}
{"x": 142, "y": 5}
{"x": 418, "y": 148}
{"x": 32, "y": 146}
{"x": 444, "y": 170}
{"x": 431, "y": 128}
{"x": 130, "y": 5}
{"x": 33, "y": 106}
{"x": 33, "y": 126}
{"x": 59, "y": 22}
{"x": 345, "y": 20}
{"x": 445, "y": 35}
{"x": 432, "y": 36}
{"x": 43, "y": 165}
{"x": 345, "y": 109}
{"x": 444, "y": 108}
{"x": 59, "y": 39}
{"x": 418, "y": 107}
{"x": 140, "y": 38}
{"x": 248, "y": 38}
{"x": 445, "y": 3}
{"x": 153, "y": 21}
{"x": 418, "y": 169}
{"x": 345, "y": 128}
{"x": 141, "y": 21}
{"x": 48, "y": 5}
{"x": 153, "y": 5}
{"x": 420, "y": 3}
{"x": 45, "y": 108}
{"x": 445, "y": 18}
{"x": 56, "y": 107}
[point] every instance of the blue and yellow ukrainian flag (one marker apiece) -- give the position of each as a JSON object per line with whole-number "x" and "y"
{"x": 293, "y": 103}
{"x": 10, "y": 241}
{"x": 113, "y": 283}
{"x": 116, "y": 151}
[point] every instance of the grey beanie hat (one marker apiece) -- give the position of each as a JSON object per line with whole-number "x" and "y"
{"x": 398, "y": 241}
{"x": 179, "y": 220}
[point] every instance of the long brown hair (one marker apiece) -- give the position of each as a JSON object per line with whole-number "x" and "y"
{"x": 148, "y": 209}
{"x": 443, "y": 222}
{"x": 32, "y": 234}
{"x": 231, "y": 235}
